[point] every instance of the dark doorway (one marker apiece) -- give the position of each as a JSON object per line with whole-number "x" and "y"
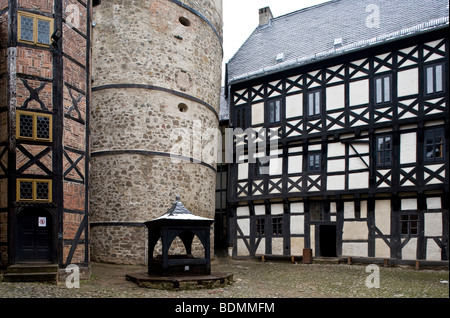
{"x": 34, "y": 236}
{"x": 327, "y": 240}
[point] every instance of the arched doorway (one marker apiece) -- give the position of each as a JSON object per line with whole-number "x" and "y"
{"x": 34, "y": 236}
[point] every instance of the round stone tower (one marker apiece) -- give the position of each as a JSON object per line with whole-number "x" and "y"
{"x": 154, "y": 117}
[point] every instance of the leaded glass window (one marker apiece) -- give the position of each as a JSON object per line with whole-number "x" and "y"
{"x": 42, "y": 191}
{"x": 34, "y": 190}
{"x": 35, "y": 29}
{"x": 34, "y": 126}
{"x": 43, "y": 31}
{"x": 26, "y": 29}
{"x": 25, "y": 126}
{"x": 42, "y": 127}
{"x": 26, "y": 190}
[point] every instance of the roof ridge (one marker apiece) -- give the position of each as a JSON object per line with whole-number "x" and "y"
{"x": 307, "y": 9}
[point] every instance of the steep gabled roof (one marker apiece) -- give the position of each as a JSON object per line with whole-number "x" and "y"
{"x": 309, "y": 34}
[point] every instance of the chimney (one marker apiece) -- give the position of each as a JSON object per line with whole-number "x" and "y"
{"x": 264, "y": 16}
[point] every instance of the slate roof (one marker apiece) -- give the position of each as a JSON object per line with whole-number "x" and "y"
{"x": 307, "y": 35}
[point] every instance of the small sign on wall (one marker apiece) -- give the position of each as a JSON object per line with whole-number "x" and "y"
{"x": 42, "y": 222}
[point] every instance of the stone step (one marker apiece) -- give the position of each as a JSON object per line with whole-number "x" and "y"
{"x": 326, "y": 260}
{"x": 32, "y": 268}
{"x": 31, "y": 273}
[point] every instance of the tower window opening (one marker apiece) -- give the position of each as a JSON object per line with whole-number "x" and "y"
{"x": 184, "y": 21}
{"x": 182, "y": 108}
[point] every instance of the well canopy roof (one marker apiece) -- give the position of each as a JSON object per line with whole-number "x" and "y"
{"x": 179, "y": 212}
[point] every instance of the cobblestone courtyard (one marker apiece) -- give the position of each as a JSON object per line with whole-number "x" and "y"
{"x": 254, "y": 279}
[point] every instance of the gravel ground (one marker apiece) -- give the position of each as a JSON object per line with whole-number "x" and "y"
{"x": 254, "y": 279}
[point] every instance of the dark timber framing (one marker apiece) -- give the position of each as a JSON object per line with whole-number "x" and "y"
{"x": 55, "y": 147}
{"x": 352, "y": 126}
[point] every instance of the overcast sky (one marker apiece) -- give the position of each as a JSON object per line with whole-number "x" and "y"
{"x": 241, "y": 18}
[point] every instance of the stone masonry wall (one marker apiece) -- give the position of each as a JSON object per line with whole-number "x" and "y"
{"x": 156, "y": 89}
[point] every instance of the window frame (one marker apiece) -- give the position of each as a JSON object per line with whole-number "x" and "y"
{"x": 260, "y": 226}
{"x": 408, "y": 222}
{"x": 316, "y": 112}
{"x": 383, "y": 151}
{"x": 433, "y": 67}
{"x": 316, "y": 154}
{"x": 240, "y": 115}
{"x": 317, "y": 211}
{"x": 34, "y": 190}
{"x": 383, "y": 89}
{"x": 269, "y": 102}
{"x": 277, "y": 225}
{"x": 35, "y": 115}
{"x": 434, "y": 144}
{"x": 36, "y": 18}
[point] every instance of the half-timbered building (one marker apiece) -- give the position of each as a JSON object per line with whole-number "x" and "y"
{"x": 44, "y": 140}
{"x": 349, "y": 102}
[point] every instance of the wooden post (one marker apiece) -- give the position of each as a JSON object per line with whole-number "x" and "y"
{"x": 386, "y": 263}
{"x": 417, "y": 267}
{"x": 349, "y": 260}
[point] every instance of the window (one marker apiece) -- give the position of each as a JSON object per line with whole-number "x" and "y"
{"x": 35, "y": 29}
{"x": 240, "y": 118}
{"x": 384, "y": 151}
{"x": 261, "y": 168}
{"x": 434, "y": 144}
{"x": 409, "y": 224}
{"x": 316, "y": 211}
{"x": 434, "y": 76}
{"x": 29, "y": 190}
{"x": 277, "y": 225}
{"x": 383, "y": 89}
{"x": 260, "y": 226}
{"x": 274, "y": 111}
{"x": 33, "y": 126}
{"x": 314, "y": 162}
{"x": 314, "y": 103}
